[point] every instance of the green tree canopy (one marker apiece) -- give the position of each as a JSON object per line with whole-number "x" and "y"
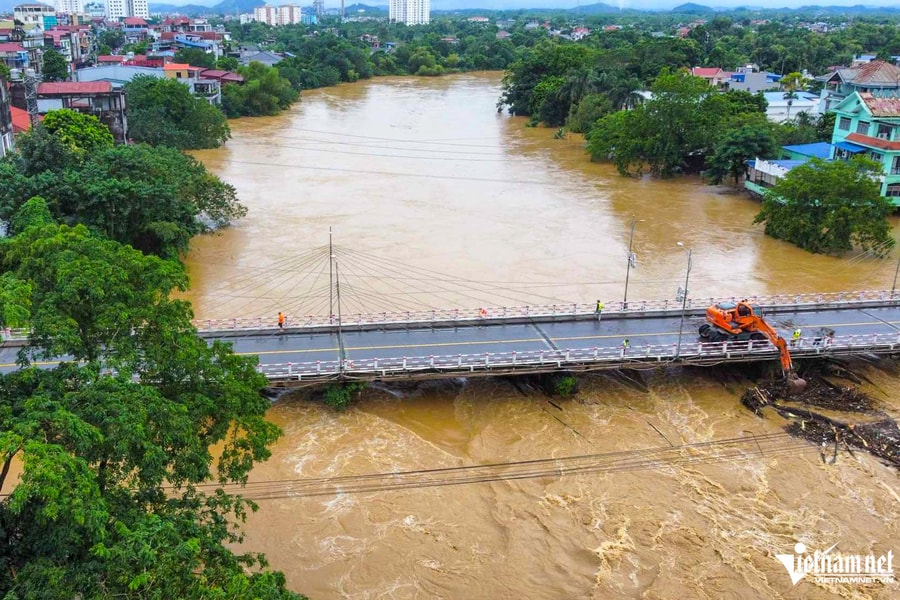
{"x": 735, "y": 148}
{"x": 163, "y": 112}
{"x": 829, "y": 207}
{"x": 109, "y": 503}
{"x": 81, "y": 133}
{"x": 195, "y": 57}
{"x": 55, "y": 67}
{"x": 264, "y": 92}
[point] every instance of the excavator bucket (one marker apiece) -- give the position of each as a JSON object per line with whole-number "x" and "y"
{"x": 795, "y": 385}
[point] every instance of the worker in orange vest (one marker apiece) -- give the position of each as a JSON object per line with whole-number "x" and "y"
{"x": 280, "y": 320}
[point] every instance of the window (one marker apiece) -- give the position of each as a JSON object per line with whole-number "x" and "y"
{"x": 876, "y": 156}
{"x": 895, "y": 167}
{"x": 884, "y": 131}
{"x": 844, "y": 124}
{"x": 893, "y": 190}
{"x": 862, "y": 127}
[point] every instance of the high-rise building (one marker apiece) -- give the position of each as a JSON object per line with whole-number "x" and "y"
{"x": 288, "y": 14}
{"x": 71, "y": 7}
{"x": 267, "y": 14}
{"x": 43, "y": 15}
{"x": 411, "y": 12}
{"x": 119, "y": 9}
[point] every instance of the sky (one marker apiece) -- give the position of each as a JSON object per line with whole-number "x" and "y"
{"x": 512, "y": 4}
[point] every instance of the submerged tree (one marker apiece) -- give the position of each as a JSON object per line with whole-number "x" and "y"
{"x": 830, "y": 207}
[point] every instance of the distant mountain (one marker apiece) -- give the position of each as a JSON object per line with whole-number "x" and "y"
{"x": 355, "y": 8}
{"x": 595, "y": 9}
{"x": 691, "y": 8}
{"x": 858, "y": 9}
{"x": 226, "y": 7}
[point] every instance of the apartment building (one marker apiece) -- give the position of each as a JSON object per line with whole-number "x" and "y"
{"x": 411, "y": 12}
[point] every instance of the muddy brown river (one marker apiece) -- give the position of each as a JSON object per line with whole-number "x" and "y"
{"x": 437, "y": 200}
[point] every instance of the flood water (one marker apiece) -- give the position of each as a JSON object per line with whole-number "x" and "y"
{"x": 436, "y": 200}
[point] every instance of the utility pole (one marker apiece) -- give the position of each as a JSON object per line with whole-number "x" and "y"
{"x": 330, "y": 278}
{"x": 684, "y": 297}
{"x": 632, "y": 260}
{"x": 894, "y": 285}
{"x": 342, "y": 352}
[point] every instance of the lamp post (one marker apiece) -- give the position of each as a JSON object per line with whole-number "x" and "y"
{"x": 894, "y": 285}
{"x": 632, "y": 259}
{"x": 687, "y": 276}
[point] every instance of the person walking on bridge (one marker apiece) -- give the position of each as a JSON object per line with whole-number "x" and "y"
{"x": 281, "y": 320}
{"x": 795, "y": 338}
{"x": 599, "y": 310}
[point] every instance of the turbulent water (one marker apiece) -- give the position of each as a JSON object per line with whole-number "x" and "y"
{"x": 435, "y": 199}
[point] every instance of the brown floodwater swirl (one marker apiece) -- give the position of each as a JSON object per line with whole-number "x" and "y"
{"x": 437, "y": 200}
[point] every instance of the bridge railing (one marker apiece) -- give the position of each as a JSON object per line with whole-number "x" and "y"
{"x": 545, "y": 310}
{"x": 692, "y": 352}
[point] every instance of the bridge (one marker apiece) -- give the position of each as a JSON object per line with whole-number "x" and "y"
{"x": 538, "y": 339}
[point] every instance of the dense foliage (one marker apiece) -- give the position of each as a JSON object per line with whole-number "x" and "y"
{"x": 830, "y": 207}
{"x": 264, "y": 92}
{"x": 153, "y": 199}
{"x": 54, "y": 66}
{"x": 109, "y": 503}
{"x": 163, "y": 112}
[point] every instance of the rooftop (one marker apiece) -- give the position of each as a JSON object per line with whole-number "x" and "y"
{"x": 66, "y": 88}
{"x": 816, "y": 149}
{"x": 875, "y": 73}
{"x": 12, "y": 47}
{"x": 881, "y": 107}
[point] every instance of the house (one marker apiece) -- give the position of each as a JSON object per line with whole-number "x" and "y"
{"x": 781, "y": 108}
{"x": 502, "y": 34}
{"x": 750, "y": 79}
{"x": 271, "y": 59}
{"x": 96, "y": 98}
{"x": 877, "y": 77}
{"x": 14, "y": 55}
{"x": 870, "y": 125}
{"x": 714, "y": 75}
{"x": 204, "y": 87}
{"x": 865, "y": 124}
{"x": 6, "y": 120}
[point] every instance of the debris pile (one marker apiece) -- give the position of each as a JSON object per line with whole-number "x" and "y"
{"x": 827, "y": 414}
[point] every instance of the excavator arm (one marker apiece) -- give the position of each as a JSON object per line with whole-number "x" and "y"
{"x": 755, "y": 323}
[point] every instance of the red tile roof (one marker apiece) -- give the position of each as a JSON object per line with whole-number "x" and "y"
{"x": 135, "y": 21}
{"x": 706, "y": 72}
{"x": 226, "y": 76}
{"x": 877, "y": 72}
{"x": 873, "y": 142}
{"x": 11, "y": 47}
{"x": 65, "y": 88}
{"x": 20, "y": 120}
{"x": 881, "y": 107}
{"x": 110, "y": 58}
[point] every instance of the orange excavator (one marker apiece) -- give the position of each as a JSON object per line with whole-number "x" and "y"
{"x": 738, "y": 322}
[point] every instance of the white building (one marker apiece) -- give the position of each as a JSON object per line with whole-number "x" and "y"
{"x": 781, "y": 109}
{"x": 288, "y": 14}
{"x": 267, "y": 14}
{"x": 34, "y": 13}
{"x": 71, "y": 7}
{"x": 411, "y": 12}
{"x": 119, "y": 9}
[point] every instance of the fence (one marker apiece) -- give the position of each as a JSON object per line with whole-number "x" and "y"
{"x": 549, "y": 360}
{"x": 550, "y": 310}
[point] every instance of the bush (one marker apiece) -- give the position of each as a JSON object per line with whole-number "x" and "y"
{"x": 566, "y": 386}
{"x": 338, "y": 395}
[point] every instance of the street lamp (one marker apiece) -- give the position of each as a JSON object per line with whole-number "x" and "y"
{"x": 687, "y": 275}
{"x": 632, "y": 259}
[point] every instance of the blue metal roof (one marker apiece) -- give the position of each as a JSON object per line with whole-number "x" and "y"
{"x": 816, "y": 149}
{"x": 788, "y": 164}
{"x": 849, "y": 147}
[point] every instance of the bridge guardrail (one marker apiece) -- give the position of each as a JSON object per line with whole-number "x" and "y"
{"x": 699, "y": 352}
{"x": 538, "y": 311}
{"x": 475, "y": 315}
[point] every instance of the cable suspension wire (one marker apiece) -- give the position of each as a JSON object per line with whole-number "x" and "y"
{"x": 666, "y": 457}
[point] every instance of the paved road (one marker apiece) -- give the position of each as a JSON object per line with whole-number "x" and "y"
{"x": 289, "y": 347}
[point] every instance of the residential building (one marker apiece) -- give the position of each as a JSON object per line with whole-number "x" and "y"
{"x": 208, "y": 88}
{"x": 870, "y": 125}
{"x": 288, "y": 14}
{"x": 879, "y": 78}
{"x": 751, "y": 80}
{"x": 72, "y": 7}
{"x": 42, "y": 15}
{"x": 270, "y": 59}
{"x": 267, "y": 14}
{"x": 120, "y": 9}
{"x": 6, "y": 120}
{"x": 411, "y": 12}
{"x": 95, "y": 98}
{"x": 714, "y": 75}
{"x": 804, "y": 152}
{"x": 782, "y": 109}
{"x": 15, "y": 55}
{"x": 95, "y": 9}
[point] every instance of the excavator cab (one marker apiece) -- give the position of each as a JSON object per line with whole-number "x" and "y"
{"x": 741, "y": 322}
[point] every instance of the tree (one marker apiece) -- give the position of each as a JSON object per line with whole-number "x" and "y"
{"x": 163, "y": 112}
{"x": 113, "y": 38}
{"x": 264, "y": 92}
{"x": 54, "y": 67}
{"x": 83, "y": 134}
{"x": 591, "y": 108}
{"x": 791, "y": 84}
{"x": 109, "y": 503}
{"x": 829, "y": 207}
{"x": 228, "y": 63}
{"x": 195, "y": 57}
{"x": 737, "y": 146}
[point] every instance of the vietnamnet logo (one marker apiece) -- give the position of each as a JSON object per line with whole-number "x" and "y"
{"x": 828, "y": 566}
